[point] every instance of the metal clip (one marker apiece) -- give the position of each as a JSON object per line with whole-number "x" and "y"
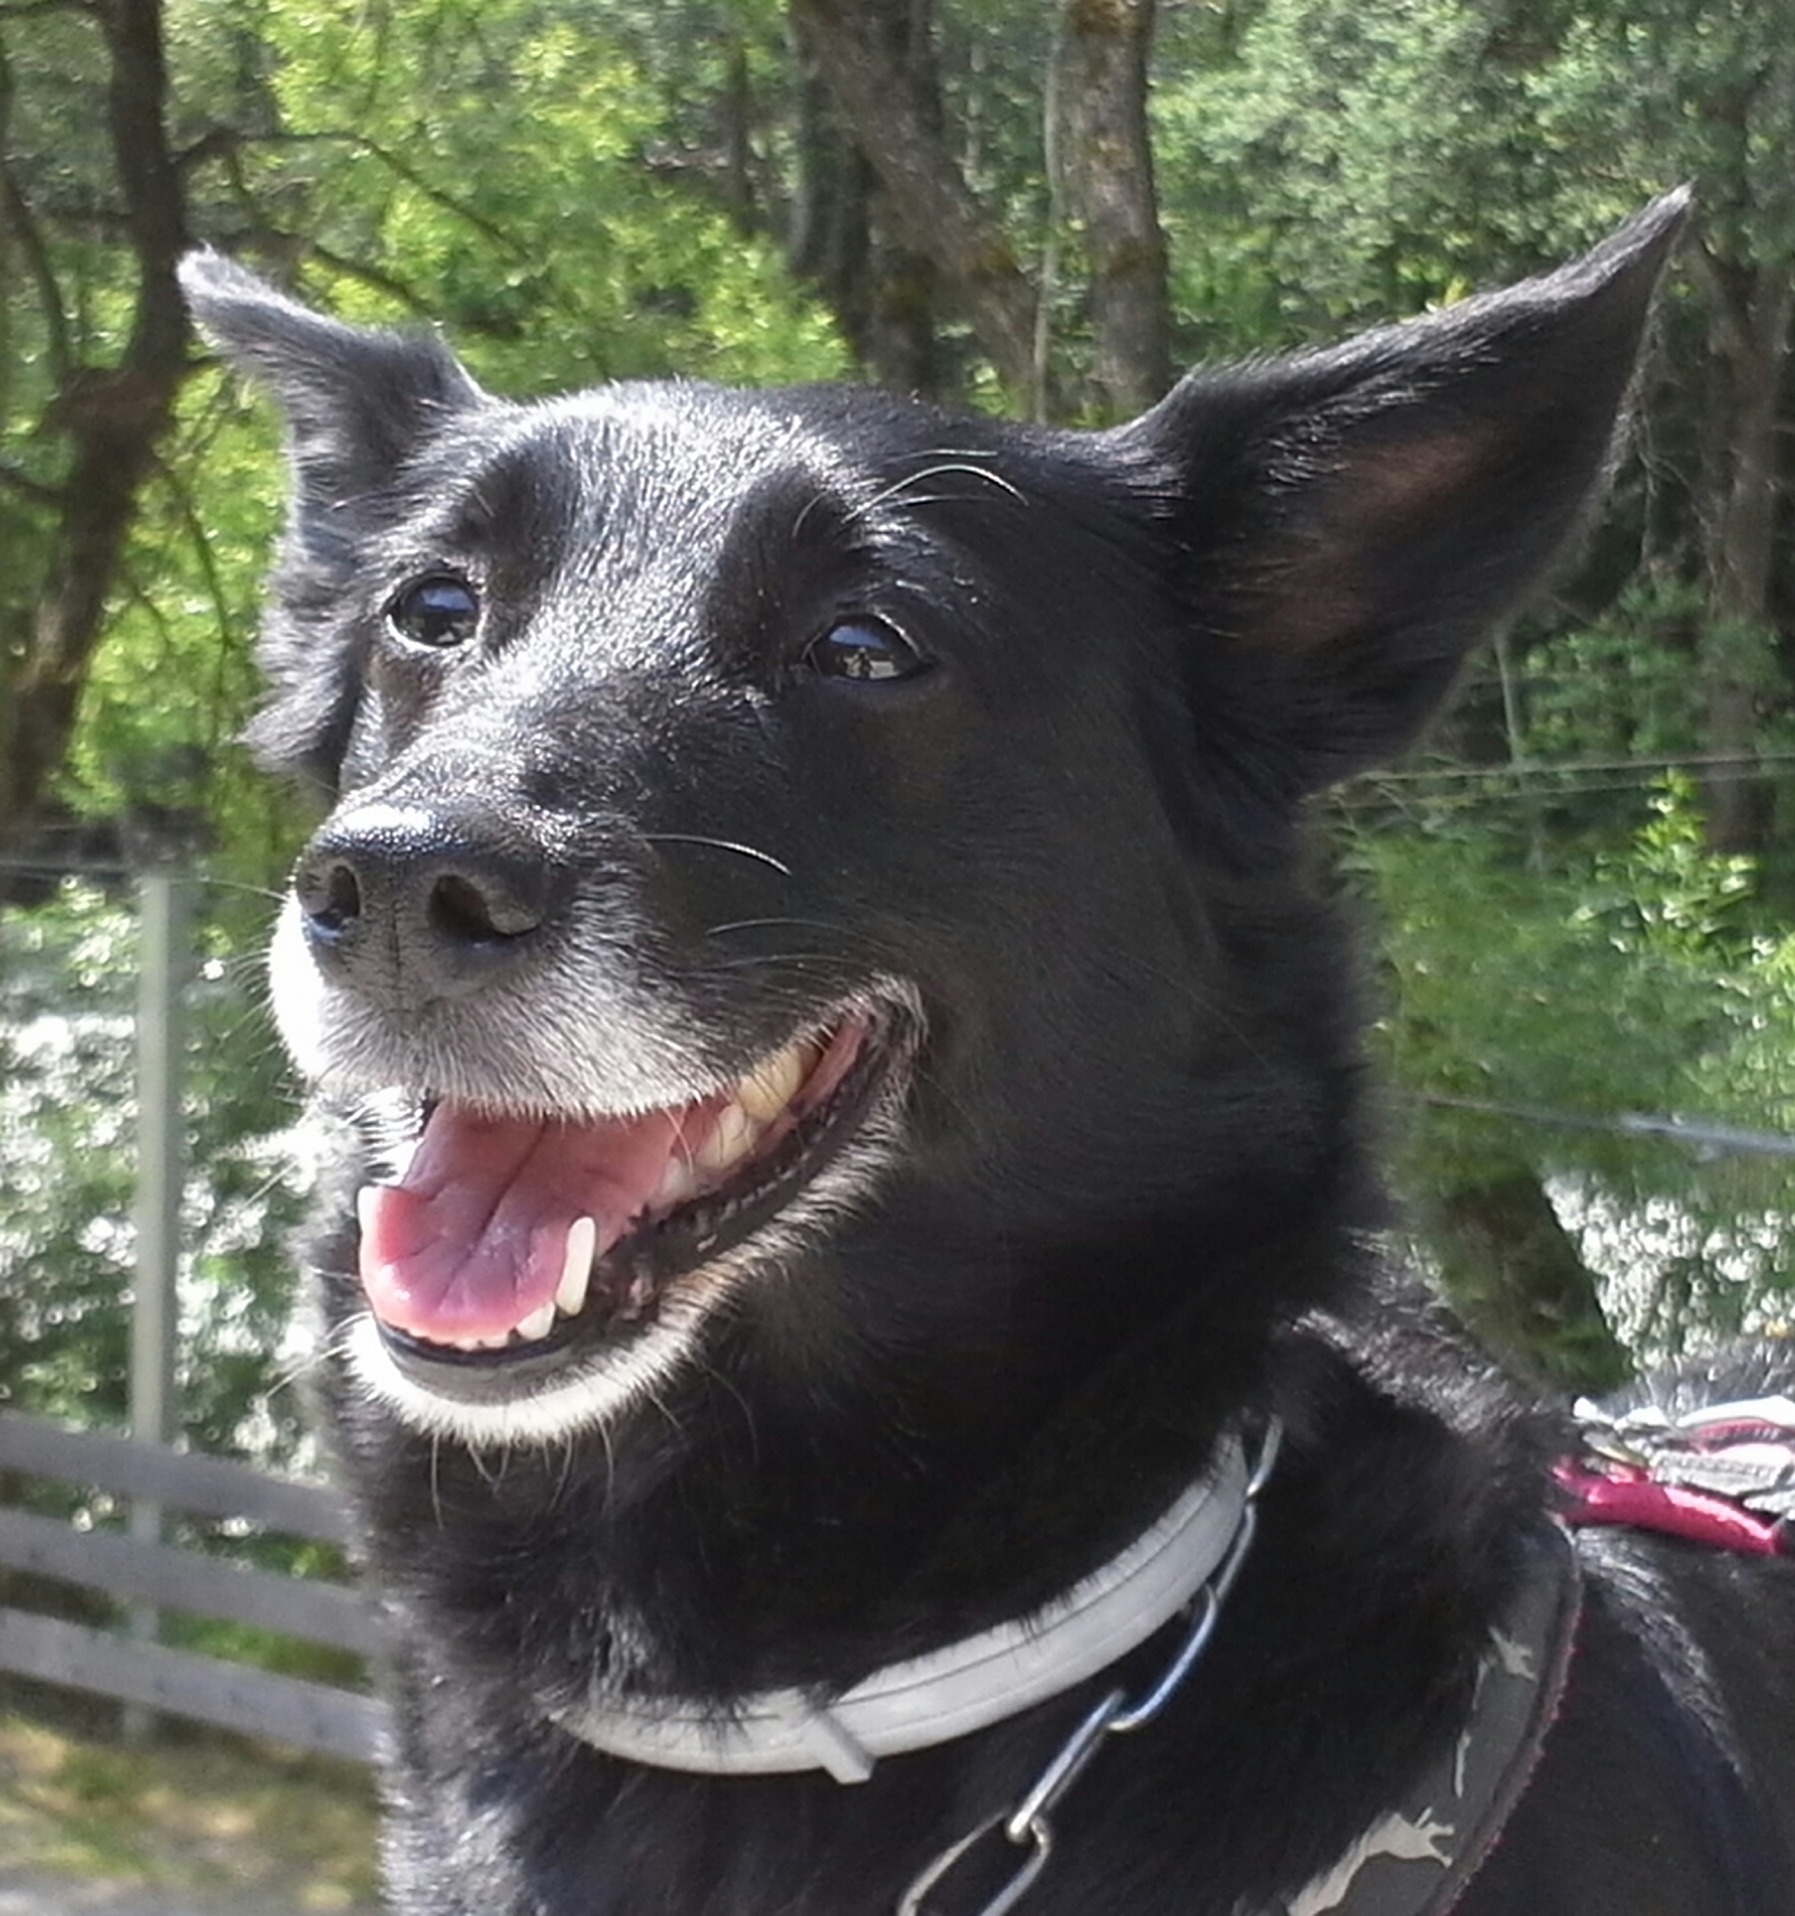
{"x": 1028, "y": 1824}
{"x": 1040, "y": 1840}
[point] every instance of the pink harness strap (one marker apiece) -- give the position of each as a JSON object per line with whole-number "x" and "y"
{"x": 1626, "y": 1494}
{"x": 1723, "y": 1476}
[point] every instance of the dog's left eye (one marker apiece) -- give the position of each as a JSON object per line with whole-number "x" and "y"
{"x": 439, "y": 610}
{"x": 864, "y": 649}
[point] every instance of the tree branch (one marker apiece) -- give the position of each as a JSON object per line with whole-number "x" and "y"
{"x": 404, "y": 170}
{"x": 373, "y": 276}
{"x": 194, "y": 527}
{"x": 43, "y": 275}
{"x": 29, "y": 488}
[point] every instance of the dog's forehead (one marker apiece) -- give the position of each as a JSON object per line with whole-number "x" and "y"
{"x": 629, "y": 473}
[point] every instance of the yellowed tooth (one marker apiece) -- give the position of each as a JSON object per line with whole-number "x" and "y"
{"x": 768, "y": 1088}
{"x": 731, "y": 1139}
{"x": 538, "y": 1324}
{"x": 576, "y": 1270}
{"x": 678, "y": 1182}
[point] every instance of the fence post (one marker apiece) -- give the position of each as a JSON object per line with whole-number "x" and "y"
{"x": 164, "y": 931}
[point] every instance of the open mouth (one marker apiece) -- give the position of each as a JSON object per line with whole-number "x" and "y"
{"x": 513, "y": 1245}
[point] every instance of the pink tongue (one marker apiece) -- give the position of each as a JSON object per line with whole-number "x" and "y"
{"x": 474, "y": 1237}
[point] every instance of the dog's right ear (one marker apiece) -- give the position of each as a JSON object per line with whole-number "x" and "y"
{"x": 1346, "y": 524}
{"x": 356, "y": 399}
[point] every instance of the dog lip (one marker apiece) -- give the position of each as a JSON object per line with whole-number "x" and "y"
{"x": 630, "y": 1280}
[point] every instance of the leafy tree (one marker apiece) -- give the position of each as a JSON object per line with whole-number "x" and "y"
{"x": 93, "y": 350}
{"x": 1709, "y": 91}
{"x": 338, "y": 140}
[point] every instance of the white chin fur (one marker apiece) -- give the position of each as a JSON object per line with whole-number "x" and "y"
{"x": 599, "y": 1392}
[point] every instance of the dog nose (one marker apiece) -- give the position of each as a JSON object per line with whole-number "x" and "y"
{"x": 411, "y": 904}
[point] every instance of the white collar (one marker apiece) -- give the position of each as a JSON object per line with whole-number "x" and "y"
{"x": 957, "y": 1689}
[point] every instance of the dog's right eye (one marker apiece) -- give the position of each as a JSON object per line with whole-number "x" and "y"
{"x": 439, "y": 610}
{"x": 864, "y": 648}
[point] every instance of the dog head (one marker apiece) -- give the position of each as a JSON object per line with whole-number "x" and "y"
{"x": 804, "y": 860}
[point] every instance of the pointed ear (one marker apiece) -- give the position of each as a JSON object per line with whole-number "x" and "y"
{"x": 1349, "y": 522}
{"x": 357, "y": 400}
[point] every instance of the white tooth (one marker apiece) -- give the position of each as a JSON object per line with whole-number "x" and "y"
{"x": 365, "y": 1200}
{"x": 538, "y": 1324}
{"x": 731, "y": 1139}
{"x": 768, "y": 1088}
{"x": 497, "y": 1343}
{"x": 576, "y": 1269}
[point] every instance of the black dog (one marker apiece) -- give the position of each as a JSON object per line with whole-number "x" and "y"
{"x": 820, "y": 885}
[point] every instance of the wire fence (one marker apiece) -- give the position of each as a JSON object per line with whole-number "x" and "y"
{"x": 1704, "y": 1140}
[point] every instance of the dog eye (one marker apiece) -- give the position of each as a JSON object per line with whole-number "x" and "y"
{"x": 864, "y": 649}
{"x": 436, "y": 611}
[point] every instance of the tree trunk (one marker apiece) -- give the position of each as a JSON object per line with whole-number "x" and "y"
{"x": 112, "y": 416}
{"x": 1518, "y": 1278}
{"x": 847, "y": 237}
{"x": 737, "y": 106}
{"x": 1104, "y": 156}
{"x": 1750, "y": 309}
{"x": 897, "y": 127}
{"x": 1745, "y": 268}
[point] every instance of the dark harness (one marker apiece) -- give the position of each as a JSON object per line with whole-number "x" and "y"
{"x": 1722, "y": 1477}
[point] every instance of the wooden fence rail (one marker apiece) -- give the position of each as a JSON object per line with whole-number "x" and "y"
{"x": 311, "y": 1715}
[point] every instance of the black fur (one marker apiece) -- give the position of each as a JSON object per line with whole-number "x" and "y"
{"x": 1130, "y": 1196}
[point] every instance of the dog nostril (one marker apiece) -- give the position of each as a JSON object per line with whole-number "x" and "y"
{"x": 331, "y": 897}
{"x": 459, "y": 910}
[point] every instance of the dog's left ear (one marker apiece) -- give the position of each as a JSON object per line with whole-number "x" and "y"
{"x": 1347, "y": 523}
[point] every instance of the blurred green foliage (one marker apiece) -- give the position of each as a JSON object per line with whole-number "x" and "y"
{"x": 1533, "y": 1001}
{"x": 67, "y": 1119}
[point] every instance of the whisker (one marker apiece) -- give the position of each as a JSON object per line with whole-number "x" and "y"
{"x": 565, "y": 1476}
{"x": 753, "y": 960}
{"x": 334, "y": 1345}
{"x": 719, "y": 844}
{"x": 797, "y": 924}
{"x": 240, "y": 885}
{"x": 898, "y": 488}
{"x": 724, "y": 1382}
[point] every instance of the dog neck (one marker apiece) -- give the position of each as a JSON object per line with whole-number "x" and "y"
{"x": 963, "y": 1686}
